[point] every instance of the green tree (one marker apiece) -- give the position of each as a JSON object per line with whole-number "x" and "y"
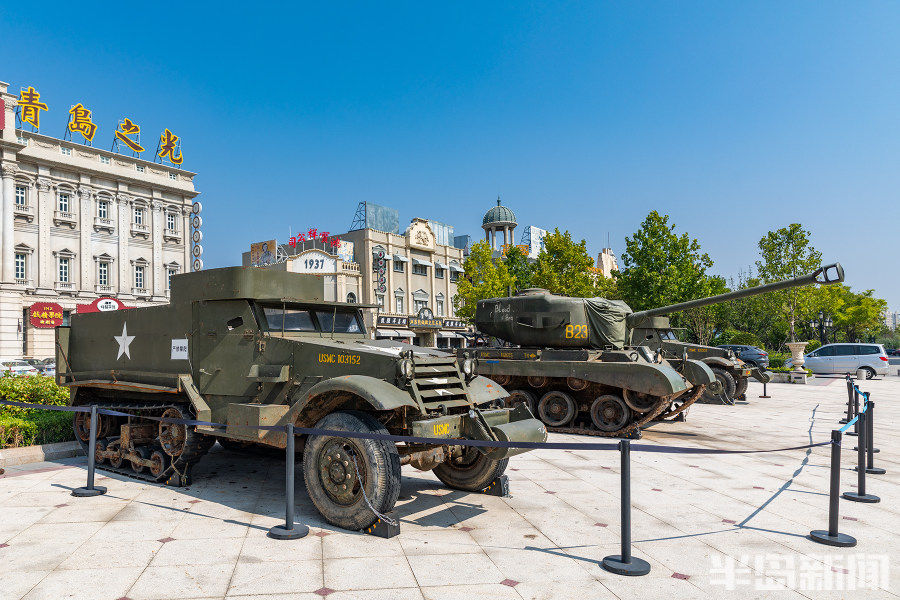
{"x": 564, "y": 266}
{"x": 482, "y": 278}
{"x": 519, "y": 266}
{"x": 785, "y": 254}
{"x": 662, "y": 267}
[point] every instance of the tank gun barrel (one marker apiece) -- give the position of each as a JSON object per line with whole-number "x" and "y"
{"x": 827, "y": 275}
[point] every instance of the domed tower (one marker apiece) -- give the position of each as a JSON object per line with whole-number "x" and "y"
{"x": 499, "y": 218}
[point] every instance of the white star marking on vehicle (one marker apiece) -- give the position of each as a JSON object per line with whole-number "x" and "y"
{"x": 442, "y": 392}
{"x": 437, "y": 380}
{"x": 124, "y": 341}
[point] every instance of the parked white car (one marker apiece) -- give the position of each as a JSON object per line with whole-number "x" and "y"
{"x": 17, "y": 367}
{"x": 846, "y": 358}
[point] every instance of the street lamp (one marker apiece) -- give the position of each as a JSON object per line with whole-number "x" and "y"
{"x": 822, "y": 324}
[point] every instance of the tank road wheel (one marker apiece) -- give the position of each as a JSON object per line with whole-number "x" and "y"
{"x": 159, "y": 463}
{"x": 537, "y": 381}
{"x": 639, "y": 402}
{"x": 525, "y": 397}
{"x": 609, "y": 413}
{"x": 172, "y": 436}
{"x": 136, "y": 466}
{"x": 337, "y": 470}
{"x": 116, "y": 461}
{"x": 740, "y": 388}
{"x": 98, "y": 452}
{"x": 557, "y": 409}
{"x": 472, "y": 472}
{"x": 575, "y": 384}
{"x": 728, "y": 388}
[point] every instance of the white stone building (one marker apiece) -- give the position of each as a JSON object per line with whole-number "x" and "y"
{"x": 420, "y": 276}
{"x": 80, "y": 223}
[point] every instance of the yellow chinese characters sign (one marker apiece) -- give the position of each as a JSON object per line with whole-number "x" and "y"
{"x": 80, "y": 121}
{"x": 31, "y": 107}
{"x": 45, "y": 315}
{"x": 168, "y": 146}
{"x": 129, "y": 128}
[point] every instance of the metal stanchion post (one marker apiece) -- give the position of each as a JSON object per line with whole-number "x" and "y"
{"x": 291, "y": 530}
{"x": 849, "y": 402}
{"x": 764, "y": 394}
{"x": 90, "y": 489}
{"x": 871, "y": 469}
{"x": 860, "y": 494}
{"x": 624, "y": 563}
{"x": 832, "y": 537}
{"x": 855, "y": 431}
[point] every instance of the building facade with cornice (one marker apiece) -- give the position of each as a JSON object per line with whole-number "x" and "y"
{"x": 78, "y": 224}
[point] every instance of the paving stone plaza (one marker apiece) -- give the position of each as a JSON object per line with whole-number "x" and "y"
{"x": 723, "y": 526}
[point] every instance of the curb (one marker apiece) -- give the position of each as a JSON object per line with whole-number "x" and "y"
{"x": 10, "y": 457}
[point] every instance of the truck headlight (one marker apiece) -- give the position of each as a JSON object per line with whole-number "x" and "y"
{"x": 468, "y": 367}
{"x": 407, "y": 368}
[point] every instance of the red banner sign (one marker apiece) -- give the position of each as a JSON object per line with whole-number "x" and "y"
{"x": 101, "y": 305}
{"x": 45, "y": 315}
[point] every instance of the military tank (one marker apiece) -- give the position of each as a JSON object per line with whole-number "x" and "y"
{"x": 652, "y": 328}
{"x": 574, "y": 368}
{"x": 238, "y": 348}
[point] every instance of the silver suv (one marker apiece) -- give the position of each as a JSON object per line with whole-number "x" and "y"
{"x": 847, "y": 358}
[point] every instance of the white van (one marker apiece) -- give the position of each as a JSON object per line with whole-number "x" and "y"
{"x": 847, "y": 358}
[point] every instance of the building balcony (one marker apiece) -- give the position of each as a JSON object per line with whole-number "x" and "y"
{"x": 351, "y": 268}
{"x": 26, "y": 283}
{"x": 172, "y": 235}
{"x": 103, "y": 289}
{"x": 140, "y": 291}
{"x": 64, "y": 217}
{"x": 65, "y": 287}
{"x": 24, "y": 211}
{"x": 140, "y": 229}
{"x": 102, "y": 224}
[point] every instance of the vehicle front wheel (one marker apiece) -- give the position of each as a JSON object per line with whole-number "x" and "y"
{"x": 338, "y": 470}
{"x": 472, "y": 472}
{"x": 728, "y": 387}
{"x": 740, "y": 389}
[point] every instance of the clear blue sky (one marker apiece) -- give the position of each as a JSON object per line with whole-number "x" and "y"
{"x": 734, "y": 118}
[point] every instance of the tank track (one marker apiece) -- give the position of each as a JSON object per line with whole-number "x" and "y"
{"x": 177, "y": 472}
{"x": 674, "y": 411}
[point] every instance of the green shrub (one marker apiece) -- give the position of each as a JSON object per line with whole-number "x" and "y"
{"x": 27, "y": 426}
{"x": 812, "y": 345}
{"x": 776, "y": 359}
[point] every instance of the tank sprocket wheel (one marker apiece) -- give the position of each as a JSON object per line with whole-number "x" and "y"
{"x": 557, "y": 409}
{"x": 82, "y": 426}
{"x": 525, "y": 397}
{"x": 639, "y": 402}
{"x": 172, "y": 436}
{"x": 609, "y": 413}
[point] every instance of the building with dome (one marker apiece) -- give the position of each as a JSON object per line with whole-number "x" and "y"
{"x": 499, "y": 219}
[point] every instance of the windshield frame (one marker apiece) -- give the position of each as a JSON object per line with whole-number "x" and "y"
{"x": 313, "y": 310}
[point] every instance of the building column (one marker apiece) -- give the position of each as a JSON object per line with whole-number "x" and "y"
{"x": 123, "y": 225}
{"x": 186, "y": 238}
{"x": 44, "y": 216}
{"x": 156, "y": 267}
{"x": 85, "y": 225}
{"x": 8, "y": 172}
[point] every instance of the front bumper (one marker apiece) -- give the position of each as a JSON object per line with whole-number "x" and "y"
{"x": 503, "y": 425}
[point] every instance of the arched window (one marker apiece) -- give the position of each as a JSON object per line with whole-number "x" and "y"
{"x": 351, "y": 298}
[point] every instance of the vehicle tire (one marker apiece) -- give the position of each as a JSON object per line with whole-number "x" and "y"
{"x": 330, "y": 471}
{"x": 522, "y": 397}
{"x": 728, "y": 386}
{"x": 870, "y": 372}
{"x": 557, "y": 409}
{"x": 740, "y": 388}
{"x": 471, "y": 472}
{"x": 143, "y": 453}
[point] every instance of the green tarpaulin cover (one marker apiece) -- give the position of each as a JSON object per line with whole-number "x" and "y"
{"x": 607, "y": 321}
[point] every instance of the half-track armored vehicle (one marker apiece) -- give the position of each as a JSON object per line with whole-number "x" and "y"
{"x": 652, "y": 329}
{"x": 238, "y": 348}
{"x": 574, "y": 368}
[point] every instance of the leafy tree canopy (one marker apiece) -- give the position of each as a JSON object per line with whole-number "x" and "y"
{"x": 482, "y": 278}
{"x": 564, "y": 266}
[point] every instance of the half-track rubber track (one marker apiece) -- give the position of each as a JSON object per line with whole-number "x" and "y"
{"x": 582, "y": 423}
{"x": 176, "y": 470}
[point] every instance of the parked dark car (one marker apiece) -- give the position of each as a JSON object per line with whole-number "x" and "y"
{"x": 751, "y": 355}
{"x": 893, "y": 352}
